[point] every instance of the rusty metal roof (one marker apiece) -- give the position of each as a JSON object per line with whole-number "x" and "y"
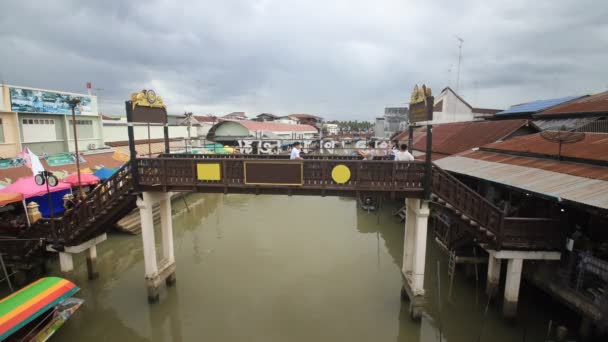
{"x": 563, "y": 123}
{"x": 595, "y": 104}
{"x": 453, "y": 138}
{"x": 593, "y": 147}
{"x": 532, "y": 174}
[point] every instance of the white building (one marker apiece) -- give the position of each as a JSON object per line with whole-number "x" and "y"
{"x": 286, "y": 120}
{"x": 331, "y": 129}
{"x": 450, "y": 107}
{"x": 234, "y": 130}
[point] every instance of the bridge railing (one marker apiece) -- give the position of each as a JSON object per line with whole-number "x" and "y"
{"x": 467, "y": 201}
{"x": 76, "y": 220}
{"x": 372, "y": 176}
{"x": 308, "y": 156}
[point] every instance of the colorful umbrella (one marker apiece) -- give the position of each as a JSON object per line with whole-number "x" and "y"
{"x": 85, "y": 179}
{"x": 104, "y": 173}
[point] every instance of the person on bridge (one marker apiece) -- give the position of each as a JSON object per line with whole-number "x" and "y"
{"x": 295, "y": 151}
{"x": 403, "y": 154}
{"x": 368, "y": 153}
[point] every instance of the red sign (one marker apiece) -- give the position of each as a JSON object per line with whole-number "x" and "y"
{"x": 89, "y": 85}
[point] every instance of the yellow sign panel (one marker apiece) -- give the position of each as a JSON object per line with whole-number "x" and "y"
{"x": 340, "y": 174}
{"x": 208, "y": 172}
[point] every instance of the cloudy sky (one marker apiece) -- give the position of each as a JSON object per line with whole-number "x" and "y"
{"x": 342, "y": 59}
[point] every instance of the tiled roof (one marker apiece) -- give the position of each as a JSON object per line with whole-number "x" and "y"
{"x": 536, "y": 106}
{"x": 595, "y": 104}
{"x": 304, "y": 116}
{"x": 258, "y": 126}
{"x": 452, "y": 138}
{"x": 206, "y": 119}
{"x": 594, "y": 146}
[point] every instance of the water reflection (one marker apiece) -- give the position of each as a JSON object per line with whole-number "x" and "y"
{"x": 277, "y": 268}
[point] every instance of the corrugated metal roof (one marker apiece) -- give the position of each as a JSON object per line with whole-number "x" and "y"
{"x": 593, "y": 147}
{"x": 536, "y": 106}
{"x": 597, "y": 103}
{"x": 588, "y": 191}
{"x": 562, "y": 124}
{"x": 574, "y": 169}
{"x": 453, "y": 138}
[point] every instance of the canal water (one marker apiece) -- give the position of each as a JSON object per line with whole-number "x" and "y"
{"x": 278, "y": 268}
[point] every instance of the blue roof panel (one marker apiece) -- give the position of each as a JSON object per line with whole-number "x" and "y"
{"x": 536, "y": 106}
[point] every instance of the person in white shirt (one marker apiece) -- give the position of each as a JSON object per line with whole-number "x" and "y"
{"x": 295, "y": 151}
{"x": 403, "y": 154}
{"x": 368, "y": 154}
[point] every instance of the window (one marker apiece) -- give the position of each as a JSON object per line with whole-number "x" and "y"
{"x": 30, "y": 121}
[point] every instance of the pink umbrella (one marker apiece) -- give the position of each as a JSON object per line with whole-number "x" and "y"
{"x": 85, "y": 179}
{"x": 28, "y": 187}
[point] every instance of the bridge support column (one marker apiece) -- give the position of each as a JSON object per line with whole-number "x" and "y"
{"x": 514, "y": 268}
{"x": 493, "y": 280}
{"x": 164, "y": 271}
{"x": 92, "y": 263}
{"x": 66, "y": 263}
{"x": 514, "y": 272}
{"x": 414, "y": 255}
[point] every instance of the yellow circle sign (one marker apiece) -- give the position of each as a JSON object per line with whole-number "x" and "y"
{"x": 340, "y": 174}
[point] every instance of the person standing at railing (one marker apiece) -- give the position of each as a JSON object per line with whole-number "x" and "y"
{"x": 403, "y": 154}
{"x": 369, "y": 152}
{"x": 295, "y": 151}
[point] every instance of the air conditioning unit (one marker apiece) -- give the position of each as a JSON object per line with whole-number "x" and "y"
{"x": 91, "y": 146}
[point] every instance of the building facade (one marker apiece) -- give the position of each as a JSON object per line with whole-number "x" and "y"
{"x": 42, "y": 121}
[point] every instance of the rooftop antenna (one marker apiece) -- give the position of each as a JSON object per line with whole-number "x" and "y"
{"x": 460, "y": 42}
{"x": 561, "y": 136}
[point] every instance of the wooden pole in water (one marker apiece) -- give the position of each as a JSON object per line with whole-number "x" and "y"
{"x": 439, "y": 296}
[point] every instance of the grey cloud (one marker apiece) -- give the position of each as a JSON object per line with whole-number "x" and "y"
{"x": 340, "y": 59}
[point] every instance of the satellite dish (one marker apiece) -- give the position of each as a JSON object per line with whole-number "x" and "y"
{"x": 560, "y": 137}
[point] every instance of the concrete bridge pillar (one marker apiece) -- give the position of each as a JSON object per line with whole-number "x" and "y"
{"x": 514, "y": 268}
{"x": 414, "y": 255}
{"x": 493, "y": 279}
{"x": 66, "y": 263}
{"x": 515, "y": 261}
{"x": 157, "y": 272}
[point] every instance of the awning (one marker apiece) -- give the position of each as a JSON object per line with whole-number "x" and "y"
{"x": 104, "y": 173}
{"x": 85, "y": 179}
{"x": 8, "y": 198}
{"x": 28, "y": 188}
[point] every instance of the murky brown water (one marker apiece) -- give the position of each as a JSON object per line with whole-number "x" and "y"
{"x": 278, "y": 268}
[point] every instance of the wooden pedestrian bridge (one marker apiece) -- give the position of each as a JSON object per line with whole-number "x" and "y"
{"x": 320, "y": 175}
{"x": 146, "y": 182}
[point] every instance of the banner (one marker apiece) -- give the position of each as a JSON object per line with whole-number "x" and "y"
{"x": 39, "y": 101}
{"x": 61, "y": 159}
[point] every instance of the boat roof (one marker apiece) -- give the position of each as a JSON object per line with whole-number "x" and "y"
{"x": 23, "y": 306}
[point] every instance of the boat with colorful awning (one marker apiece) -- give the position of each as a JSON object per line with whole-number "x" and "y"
{"x": 35, "y": 312}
